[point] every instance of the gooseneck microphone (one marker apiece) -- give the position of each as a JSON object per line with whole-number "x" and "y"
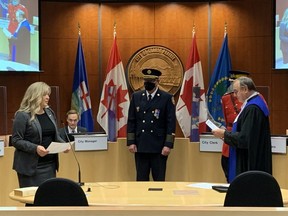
{"x": 78, "y": 164}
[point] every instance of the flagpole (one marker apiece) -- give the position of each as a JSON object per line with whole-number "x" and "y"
{"x": 114, "y": 103}
{"x": 225, "y": 28}
{"x": 81, "y": 101}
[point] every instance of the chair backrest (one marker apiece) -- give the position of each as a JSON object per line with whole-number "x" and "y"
{"x": 254, "y": 188}
{"x": 60, "y": 192}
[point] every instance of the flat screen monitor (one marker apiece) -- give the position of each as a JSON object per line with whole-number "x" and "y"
{"x": 19, "y": 36}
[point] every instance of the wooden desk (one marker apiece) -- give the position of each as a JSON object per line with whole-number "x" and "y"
{"x": 137, "y": 194}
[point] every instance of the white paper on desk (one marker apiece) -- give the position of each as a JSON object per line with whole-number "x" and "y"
{"x": 57, "y": 147}
{"x": 211, "y": 125}
{"x": 205, "y": 185}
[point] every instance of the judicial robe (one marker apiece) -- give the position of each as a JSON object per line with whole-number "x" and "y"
{"x": 251, "y": 139}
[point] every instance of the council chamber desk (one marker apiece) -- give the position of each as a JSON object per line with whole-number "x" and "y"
{"x": 149, "y": 194}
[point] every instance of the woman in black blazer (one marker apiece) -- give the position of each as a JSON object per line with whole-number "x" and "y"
{"x": 34, "y": 128}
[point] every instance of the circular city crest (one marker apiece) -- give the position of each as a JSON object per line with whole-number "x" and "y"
{"x": 160, "y": 58}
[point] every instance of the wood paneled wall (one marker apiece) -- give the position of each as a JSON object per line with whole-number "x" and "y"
{"x": 249, "y": 26}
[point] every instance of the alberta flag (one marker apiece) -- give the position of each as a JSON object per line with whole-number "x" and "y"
{"x": 191, "y": 111}
{"x": 80, "y": 91}
{"x": 219, "y": 83}
{"x": 114, "y": 103}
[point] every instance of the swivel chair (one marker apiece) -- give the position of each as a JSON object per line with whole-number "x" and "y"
{"x": 254, "y": 188}
{"x": 60, "y": 192}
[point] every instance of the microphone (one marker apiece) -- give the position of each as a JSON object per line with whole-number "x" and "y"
{"x": 78, "y": 164}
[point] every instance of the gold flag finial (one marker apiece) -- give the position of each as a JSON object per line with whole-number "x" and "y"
{"x": 114, "y": 32}
{"x": 193, "y": 30}
{"x": 79, "y": 29}
{"x": 225, "y": 28}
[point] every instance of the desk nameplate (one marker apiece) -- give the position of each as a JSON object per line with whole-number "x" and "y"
{"x": 91, "y": 142}
{"x": 209, "y": 143}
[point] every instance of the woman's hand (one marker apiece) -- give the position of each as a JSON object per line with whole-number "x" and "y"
{"x": 67, "y": 150}
{"x": 41, "y": 151}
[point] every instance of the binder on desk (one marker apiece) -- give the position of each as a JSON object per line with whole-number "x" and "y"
{"x": 220, "y": 188}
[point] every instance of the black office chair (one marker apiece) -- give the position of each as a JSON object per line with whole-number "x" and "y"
{"x": 254, "y": 188}
{"x": 60, "y": 192}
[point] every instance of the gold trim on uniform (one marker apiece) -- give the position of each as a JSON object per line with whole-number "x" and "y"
{"x": 170, "y": 138}
{"x": 131, "y": 136}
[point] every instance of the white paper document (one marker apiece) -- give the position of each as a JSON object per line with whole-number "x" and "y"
{"x": 211, "y": 125}
{"x": 7, "y": 33}
{"x": 57, "y": 147}
{"x": 205, "y": 185}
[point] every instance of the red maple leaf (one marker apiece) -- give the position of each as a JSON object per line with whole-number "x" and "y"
{"x": 187, "y": 96}
{"x": 121, "y": 93}
{"x": 106, "y": 93}
{"x": 120, "y": 98}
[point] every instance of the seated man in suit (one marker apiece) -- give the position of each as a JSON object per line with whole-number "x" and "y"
{"x": 72, "y": 118}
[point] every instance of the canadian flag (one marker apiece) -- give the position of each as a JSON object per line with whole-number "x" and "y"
{"x": 114, "y": 103}
{"x": 191, "y": 111}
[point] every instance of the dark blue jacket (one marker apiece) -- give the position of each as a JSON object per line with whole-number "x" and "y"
{"x": 151, "y": 124}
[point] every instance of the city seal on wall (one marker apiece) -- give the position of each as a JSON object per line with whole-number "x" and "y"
{"x": 160, "y": 58}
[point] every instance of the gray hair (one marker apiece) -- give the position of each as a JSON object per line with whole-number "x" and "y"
{"x": 21, "y": 13}
{"x": 247, "y": 82}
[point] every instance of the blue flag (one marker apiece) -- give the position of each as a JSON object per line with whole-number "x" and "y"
{"x": 80, "y": 91}
{"x": 219, "y": 83}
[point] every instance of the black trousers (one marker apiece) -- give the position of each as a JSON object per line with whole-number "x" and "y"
{"x": 154, "y": 162}
{"x": 225, "y": 166}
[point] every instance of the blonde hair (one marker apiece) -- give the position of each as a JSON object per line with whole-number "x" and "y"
{"x": 33, "y": 98}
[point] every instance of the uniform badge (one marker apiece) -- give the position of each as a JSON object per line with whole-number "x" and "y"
{"x": 138, "y": 109}
{"x": 157, "y": 113}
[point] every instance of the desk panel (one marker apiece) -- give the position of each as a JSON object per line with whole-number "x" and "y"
{"x": 185, "y": 164}
{"x": 141, "y": 211}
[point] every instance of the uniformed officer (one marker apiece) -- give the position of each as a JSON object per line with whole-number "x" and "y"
{"x": 151, "y": 127}
{"x": 231, "y": 107}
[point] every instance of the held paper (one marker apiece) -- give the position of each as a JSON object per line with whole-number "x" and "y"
{"x": 211, "y": 125}
{"x": 7, "y": 33}
{"x": 57, "y": 147}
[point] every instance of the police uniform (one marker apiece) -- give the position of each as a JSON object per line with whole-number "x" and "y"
{"x": 151, "y": 126}
{"x": 231, "y": 107}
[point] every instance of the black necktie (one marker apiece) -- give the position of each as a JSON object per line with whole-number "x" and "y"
{"x": 149, "y": 97}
